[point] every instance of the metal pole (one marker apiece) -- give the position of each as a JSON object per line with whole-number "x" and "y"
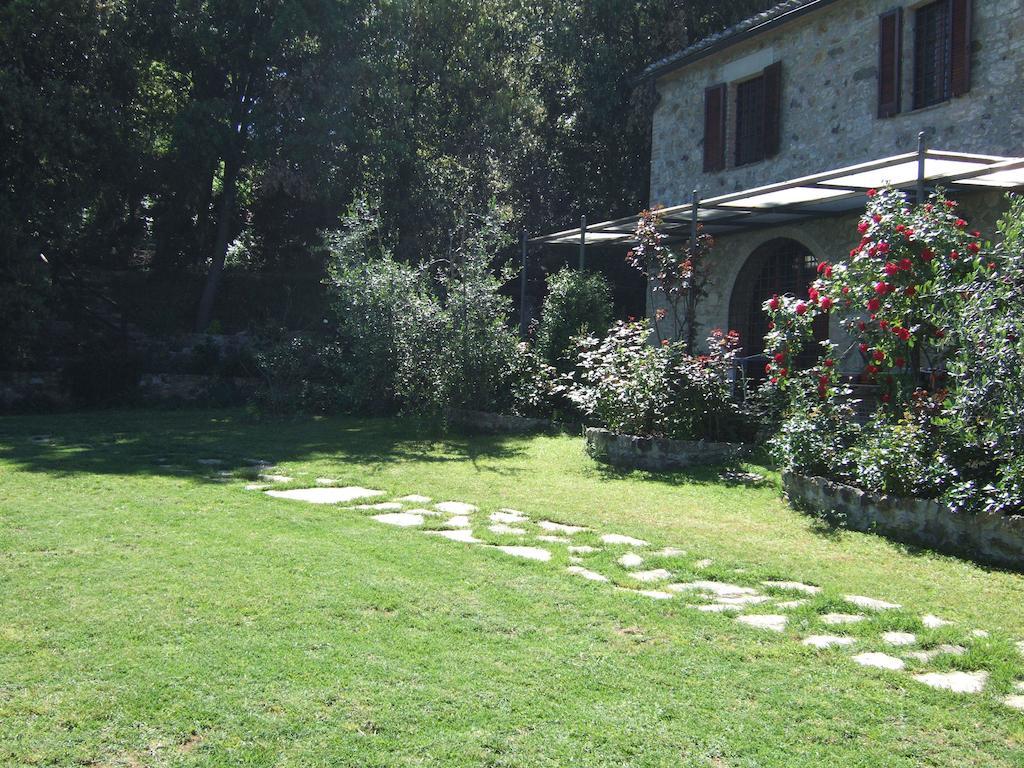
{"x": 691, "y": 307}
{"x": 922, "y": 149}
{"x": 522, "y": 289}
{"x": 694, "y": 205}
{"x": 583, "y": 242}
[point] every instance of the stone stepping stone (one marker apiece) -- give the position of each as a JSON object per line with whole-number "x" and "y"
{"x": 586, "y": 574}
{"x": 743, "y": 600}
{"x": 958, "y": 682}
{"x": 583, "y": 549}
{"x": 788, "y": 605}
{"x": 459, "y": 521}
{"x": 256, "y": 487}
{"x": 630, "y": 560}
{"x": 715, "y": 587}
{"x": 828, "y": 641}
{"x": 425, "y": 512}
{"x": 575, "y": 560}
{"x": 384, "y": 506}
{"x": 841, "y": 618}
{"x": 553, "y": 539}
{"x": 506, "y": 517}
{"x": 455, "y": 508}
{"x": 979, "y": 633}
{"x": 325, "y": 495}
{"x": 705, "y": 563}
{"x": 568, "y": 530}
{"x": 1015, "y": 701}
{"x": 1020, "y": 647}
{"x": 926, "y": 656}
{"x": 657, "y": 574}
{"x": 934, "y": 622}
{"x": 669, "y": 552}
{"x": 654, "y": 594}
{"x": 325, "y": 481}
{"x": 879, "y": 660}
{"x": 775, "y": 623}
{"x": 717, "y": 608}
{"x": 530, "y": 553}
{"x": 401, "y": 519}
{"x": 899, "y": 638}
{"x": 204, "y": 462}
{"x": 415, "y": 498}
{"x": 869, "y": 602}
{"x": 277, "y": 479}
{"x": 506, "y": 530}
{"x": 1019, "y": 686}
{"x": 796, "y": 586}
{"x": 618, "y": 538}
{"x": 463, "y": 535}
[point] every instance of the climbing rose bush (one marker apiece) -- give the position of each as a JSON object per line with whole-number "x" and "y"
{"x": 934, "y": 314}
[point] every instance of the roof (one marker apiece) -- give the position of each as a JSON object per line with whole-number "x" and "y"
{"x": 830, "y": 193}
{"x": 755, "y": 25}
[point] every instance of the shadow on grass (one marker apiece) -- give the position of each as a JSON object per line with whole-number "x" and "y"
{"x": 732, "y": 474}
{"x": 173, "y": 442}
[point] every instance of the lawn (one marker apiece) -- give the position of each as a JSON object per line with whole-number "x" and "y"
{"x": 155, "y": 612}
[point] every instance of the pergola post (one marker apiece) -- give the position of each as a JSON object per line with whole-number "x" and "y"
{"x": 922, "y": 151}
{"x": 522, "y": 287}
{"x": 583, "y": 242}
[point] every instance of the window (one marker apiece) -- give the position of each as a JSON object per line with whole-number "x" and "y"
{"x": 758, "y": 102}
{"x": 942, "y": 52}
{"x": 714, "y": 128}
{"x": 890, "y": 69}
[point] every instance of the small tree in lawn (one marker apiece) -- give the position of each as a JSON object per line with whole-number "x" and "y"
{"x": 680, "y": 274}
{"x": 895, "y": 296}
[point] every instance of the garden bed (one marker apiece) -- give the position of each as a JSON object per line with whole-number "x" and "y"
{"x": 992, "y": 538}
{"x": 658, "y": 454}
{"x": 498, "y": 423}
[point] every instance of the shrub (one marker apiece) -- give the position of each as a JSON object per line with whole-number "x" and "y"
{"x": 577, "y": 303}
{"x": 632, "y": 387}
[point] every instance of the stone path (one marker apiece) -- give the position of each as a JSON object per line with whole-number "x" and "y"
{"x": 818, "y": 620}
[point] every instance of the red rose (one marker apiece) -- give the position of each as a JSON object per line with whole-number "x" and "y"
{"x": 862, "y": 326}
{"x": 906, "y": 265}
{"x": 863, "y": 348}
{"x": 825, "y": 303}
{"x": 846, "y": 289}
{"x": 882, "y": 288}
{"x": 767, "y": 367}
{"x": 960, "y": 223}
{"x": 950, "y": 204}
{"x": 862, "y": 227}
{"x": 902, "y": 333}
{"x": 883, "y": 324}
{"x": 910, "y": 290}
{"x": 900, "y": 362}
{"x": 975, "y": 233}
{"x": 779, "y": 357}
{"x": 973, "y": 247}
{"x": 872, "y": 192}
{"x": 883, "y": 247}
{"x": 828, "y": 362}
{"x": 872, "y": 369}
{"x": 954, "y": 255}
{"x": 886, "y": 397}
{"x": 801, "y": 308}
{"x": 939, "y": 333}
{"x": 876, "y": 218}
{"x": 873, "y": 305}
{"x": 891, "y": 269}
{"x": 783, "y": 372}
{"x": 812, "y": 293}
{"x": 927, "y": 254}
{"x": 774, "y": 302}
{"x": 822, "y": 267}
{"x": 879, "y": 355}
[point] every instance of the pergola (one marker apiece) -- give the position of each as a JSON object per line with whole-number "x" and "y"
{"x": 820, "y": 195}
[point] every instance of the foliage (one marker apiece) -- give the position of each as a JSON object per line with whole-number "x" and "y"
{"x": 631, "y": 387}
{"x": 679, "y": 275}
{"x": 577, "y": 303}
{"x": 920, "y": 294}
{"x": 300, "y": 374}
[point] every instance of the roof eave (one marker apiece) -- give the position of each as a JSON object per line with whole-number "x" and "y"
{"x": 656, "y": 72}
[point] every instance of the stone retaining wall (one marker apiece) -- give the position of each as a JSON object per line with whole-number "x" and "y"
{"x": 657, "y": 454}
{"x": 485, "y": 421}
{"x": 993, "y": 538}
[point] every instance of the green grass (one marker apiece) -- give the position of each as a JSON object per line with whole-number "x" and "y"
{"x": 152, "y": 615}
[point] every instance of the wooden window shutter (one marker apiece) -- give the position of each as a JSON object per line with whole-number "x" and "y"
{"x": 890, "y": 55}
{"x": 714, "y": 128}
{"x": 772, "y": 108}
{"x": 960, "y": 47}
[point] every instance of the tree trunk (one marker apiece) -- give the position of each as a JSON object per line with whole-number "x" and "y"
{"x": 220, "y": 247}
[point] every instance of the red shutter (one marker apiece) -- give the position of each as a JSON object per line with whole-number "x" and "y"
{"x": 714, "y": 128}
{"x": 772, "y": 108}
{"x": 960, "y": 47}
{"x": 890, "y": 55}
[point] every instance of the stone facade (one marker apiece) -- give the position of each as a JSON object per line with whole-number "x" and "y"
{"x": 657, "y": 454}
{"x": 829, "y": 61}
{"x": 992, "y": 538}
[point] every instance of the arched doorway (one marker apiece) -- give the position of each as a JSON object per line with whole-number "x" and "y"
{"x": 779, "y": 266}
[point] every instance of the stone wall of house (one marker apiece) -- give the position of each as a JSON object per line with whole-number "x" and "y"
{"x": 829, "y": 99}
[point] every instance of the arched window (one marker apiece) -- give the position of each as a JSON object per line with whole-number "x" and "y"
{"x": 779, "y": 266}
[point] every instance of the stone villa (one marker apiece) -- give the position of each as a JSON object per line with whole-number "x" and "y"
{"x": 754, "y": 120}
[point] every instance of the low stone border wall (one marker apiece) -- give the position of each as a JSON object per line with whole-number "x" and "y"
{"x": 485, "y": 421}
{"x": 657, "y": 454}
{"x": 994, "y": 538}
